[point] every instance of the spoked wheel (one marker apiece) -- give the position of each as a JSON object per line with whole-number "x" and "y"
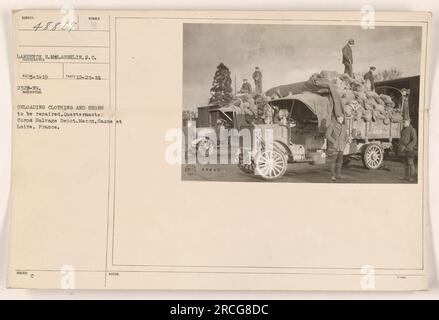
{"x": 373, "y": 156}
{"x": 248, "y": 168}
{"x": 271, "y": 164}
{"x": 206, "y": 148}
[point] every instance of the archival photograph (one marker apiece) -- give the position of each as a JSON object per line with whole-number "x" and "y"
{"x": 301, "y": 103}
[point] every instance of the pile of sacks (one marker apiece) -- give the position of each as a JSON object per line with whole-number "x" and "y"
{"x": 360, "y": 102}
{"x": 255, "y": 108}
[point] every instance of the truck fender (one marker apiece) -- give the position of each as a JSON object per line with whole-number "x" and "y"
{"x": 281, "y": 146}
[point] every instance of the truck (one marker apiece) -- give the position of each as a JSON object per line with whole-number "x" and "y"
{"x": 301, "y": 138}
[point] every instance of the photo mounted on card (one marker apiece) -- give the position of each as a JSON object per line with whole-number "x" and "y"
{"x": 205, "y": 150}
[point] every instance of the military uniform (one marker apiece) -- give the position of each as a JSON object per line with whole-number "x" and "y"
{"x": 348, "y": 60}
{"x": 369, "y": 77}
{"x": 246, "y": 88}
{"x": 257, "y": 77}
{"x": 407, "y": 145}
{"x": 337, "y": 138}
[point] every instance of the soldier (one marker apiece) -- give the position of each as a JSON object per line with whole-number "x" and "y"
{"x": 257, "y": 77}
{"x": 407, "y": 144}
{"x": 283, "y": 116}
{"x": 337, "y": 138}
{"x": 246, "y": 87}
{"x": 370, "y": 78}
{"x": 348, "y": 60}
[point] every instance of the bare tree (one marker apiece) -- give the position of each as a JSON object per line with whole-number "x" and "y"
{"x": 389, "y": 74}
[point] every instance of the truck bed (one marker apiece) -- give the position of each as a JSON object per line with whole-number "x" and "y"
{"x": 361, "y": 129}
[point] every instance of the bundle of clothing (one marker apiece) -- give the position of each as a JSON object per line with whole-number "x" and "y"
{"x": 359, "y": 102}
{"x": 255, "y": 107}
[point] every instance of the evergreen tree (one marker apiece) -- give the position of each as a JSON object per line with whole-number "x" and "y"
{"x": 221, "y": 91}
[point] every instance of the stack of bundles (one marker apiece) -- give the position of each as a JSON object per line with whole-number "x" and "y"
{"x": 248, "y": 105}
{"x": 236, "y": 105}
{"x": 361, "y": 103}
{"x": 260, "y": 103}
{"x": 254, "y": 107}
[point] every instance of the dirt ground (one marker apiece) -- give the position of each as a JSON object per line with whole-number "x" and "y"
{"x": 390, "y": 172}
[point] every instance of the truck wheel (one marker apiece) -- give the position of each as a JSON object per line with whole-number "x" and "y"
{"x": 373, "y": 156}
{"x": 270, "y": 165}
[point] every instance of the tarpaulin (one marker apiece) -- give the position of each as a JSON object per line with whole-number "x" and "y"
{"x": 320, "y": 105}
{"x": 321, "y": 86}
{"x": 315, "y": 85}
{"x": 284, "y": 90}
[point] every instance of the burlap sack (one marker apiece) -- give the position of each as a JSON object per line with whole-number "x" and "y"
{"x": 396, "y": 117}
{"x": 367, "y": 115}
{"x": 368, "y": 105}
{"x": 329, "y": 74}
{"x": 358, "y": 114}
{"x": 380, "y": 108}
{"x": 380, "y": 101}
{"x": 389, "y": 110}
{"x": 385, "y": 98}
{"x": 361, "y": 96}
{"x": 349, "y": 97}
{"x": 348, "y": 112}
{"x": 390, "y": 104}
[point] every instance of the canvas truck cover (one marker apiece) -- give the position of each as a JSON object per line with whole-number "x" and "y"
{"x": 284, "y": 90}
{"x": 315, "y": 84}
{"x": 320, "y": 105}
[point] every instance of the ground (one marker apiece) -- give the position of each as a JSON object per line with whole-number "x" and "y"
{"x": 390, "y": 172}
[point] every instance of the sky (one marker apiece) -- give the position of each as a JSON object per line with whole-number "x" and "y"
{"x": 288, "y": 53}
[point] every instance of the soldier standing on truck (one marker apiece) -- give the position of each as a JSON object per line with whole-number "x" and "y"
{"x": 257, "y": 77}
{"x": 370, "y": 78}
{"x": 337, "y": 138}
{"x": 246, "y": 87}
{"x": 348, "y": 60}
{"x": 407, "y": 144}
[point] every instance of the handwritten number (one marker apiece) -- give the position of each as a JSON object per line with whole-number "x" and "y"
{"x": 37, "y": 26}
{"x": 54, "y": 26}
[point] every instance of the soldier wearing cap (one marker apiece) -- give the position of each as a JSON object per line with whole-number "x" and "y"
{"x": 337, "y": 137}
{"x": 348, "y": 60}
{"x": 246, "y": 87}
{"x": 370, "y": 78}
{"x": 257, "y": 77}
{"x": 407, "y": 144}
